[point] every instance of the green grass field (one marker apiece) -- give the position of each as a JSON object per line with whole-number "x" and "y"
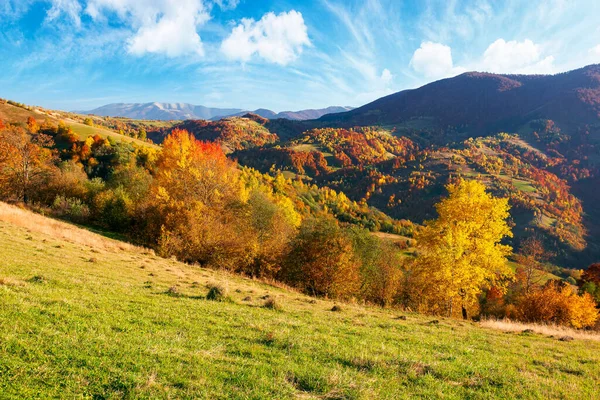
{"x": 83, "y": 316}
{"x": 84, "y": 131}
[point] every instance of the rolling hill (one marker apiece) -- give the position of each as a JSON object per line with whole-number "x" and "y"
{"x": 233, "y": 133}
{"x": 482, "y": 103}
{"x": 20, "y": 113}
{"x": 84, "y": 316}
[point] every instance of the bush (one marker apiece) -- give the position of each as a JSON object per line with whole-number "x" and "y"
{"x": 322, "y": 261}
{"x": 71, "y": 208}
{"x": 272, "y": 304}
{"x": 274, "y": 226}
{"x": 381, "y": 272}
{"x": 216, "y": 292}
{"x": 113, "y": 209}
{"x": 557, "y": 303}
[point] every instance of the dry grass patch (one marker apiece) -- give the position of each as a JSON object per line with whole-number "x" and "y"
{"x": 61, "y": 230}
{"x": 10, "y": 282}
{"x": 543, "y": 329}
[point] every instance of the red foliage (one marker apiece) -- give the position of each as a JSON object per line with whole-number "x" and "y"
{"x": 234, "y": 133}
{"x": 302, "y": 162}
{"x": 592, "y": 274}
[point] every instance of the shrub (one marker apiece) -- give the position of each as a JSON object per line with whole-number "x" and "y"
{"x": 173, "y": 291}
{"x": 114, "y": 208}
{"x": 70, "y": 208}
{"x": 272, "y": 304}
{"x": 216, "y": 292}
{"x": 380, "y": 271}
{"x": 273, "y": 223}
{"x": 559, "y": 304}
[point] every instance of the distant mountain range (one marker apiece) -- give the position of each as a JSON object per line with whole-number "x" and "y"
{"x": 301, "y": 115}
{"x": 185, "y": 111}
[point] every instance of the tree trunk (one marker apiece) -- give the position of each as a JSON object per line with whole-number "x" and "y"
{"x": 464, "y": 313}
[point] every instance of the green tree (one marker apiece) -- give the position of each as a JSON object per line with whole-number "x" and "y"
{"x": 381, "y": 267}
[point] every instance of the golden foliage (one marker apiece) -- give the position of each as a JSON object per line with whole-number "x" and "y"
{"x": 559, "y": 304}
{"x": 460, "y": 252}
{"x": 25, "y": 162}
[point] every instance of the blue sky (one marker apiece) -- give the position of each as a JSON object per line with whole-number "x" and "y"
{"x": 277, "y": 54}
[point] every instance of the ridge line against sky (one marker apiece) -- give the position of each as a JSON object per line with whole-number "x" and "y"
{"x": 280, "y": 55}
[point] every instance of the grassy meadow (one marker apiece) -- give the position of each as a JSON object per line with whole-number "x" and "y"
{"x": 84, "y": 316}
{"x": 85, "y": 131}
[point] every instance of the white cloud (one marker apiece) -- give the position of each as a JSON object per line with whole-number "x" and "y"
{"x": 434, "y": 60}
{"x": 71, "y": 8}
{"x": 276, "y": 38}
{"x": 594, "y": 53}
{"x": 386, "y": 76}
{"x": 162, "y": 26}
{"x": 516, "y": 57}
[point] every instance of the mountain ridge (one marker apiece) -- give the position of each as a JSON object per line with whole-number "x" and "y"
{"x": 186, "y": 111}
{"x": 485, "y": 101}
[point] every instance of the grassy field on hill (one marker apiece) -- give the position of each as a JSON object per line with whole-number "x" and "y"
{"x": 85, "y": 131}
{"x": 9, "y": 112}
{"x": 83, "y": 316}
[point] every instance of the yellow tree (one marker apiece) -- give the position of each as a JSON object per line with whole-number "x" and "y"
{"x": 190, "y": 171}
{"x": 460, "y": 252}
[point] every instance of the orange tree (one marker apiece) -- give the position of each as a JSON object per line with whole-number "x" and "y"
{"x": 322, "y": 260}
{"x": 198, "y": 203}
{"x": 26, "y": 161}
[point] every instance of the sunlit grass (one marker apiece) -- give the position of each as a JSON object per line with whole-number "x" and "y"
{"x": 83, "y": 319}
{"x": 85, "y": 131}
{"x": 543, "y": 329}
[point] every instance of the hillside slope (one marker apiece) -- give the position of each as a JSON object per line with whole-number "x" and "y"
{"x": 235, "y": 133}
{"x": 85, "y": 316}
{"x": 14, "y": 114}
{"x": 483, "y": 102}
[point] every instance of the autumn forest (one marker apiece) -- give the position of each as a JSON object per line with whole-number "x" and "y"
{"x": 484, "y": 226}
